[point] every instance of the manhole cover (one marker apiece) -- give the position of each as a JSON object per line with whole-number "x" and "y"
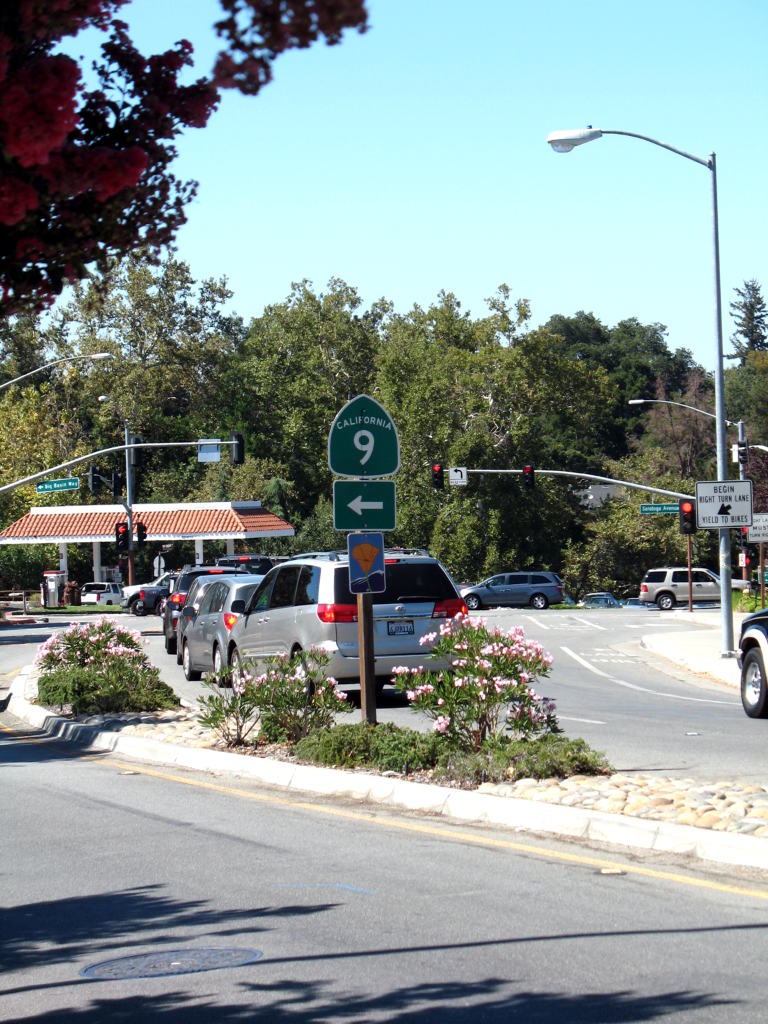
{"x": 170, "y": 961}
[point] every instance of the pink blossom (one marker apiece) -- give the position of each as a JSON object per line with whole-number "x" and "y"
{"x": 442, "y": 722}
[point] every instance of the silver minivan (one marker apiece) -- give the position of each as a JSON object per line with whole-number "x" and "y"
{"x": 306, "y": 602}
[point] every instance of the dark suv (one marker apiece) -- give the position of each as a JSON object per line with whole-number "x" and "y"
{"x": 178, "y": 595}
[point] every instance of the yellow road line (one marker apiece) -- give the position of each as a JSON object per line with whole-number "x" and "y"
{"x": 422, "y": 828}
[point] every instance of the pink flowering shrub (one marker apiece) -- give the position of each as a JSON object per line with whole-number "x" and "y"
{"x": 489, "y": 687}
{"x": 289, "y": 698}
{"x": 99, "y": 666}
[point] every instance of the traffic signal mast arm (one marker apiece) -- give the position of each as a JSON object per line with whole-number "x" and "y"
{"x": 103, "y": 451}
{"x": 591, "y": 476}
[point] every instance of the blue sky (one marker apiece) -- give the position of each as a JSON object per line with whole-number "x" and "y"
{"x": 413, "y": 158}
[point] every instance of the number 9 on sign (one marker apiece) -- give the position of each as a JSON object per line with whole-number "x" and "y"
{"x": 363, "y": 441}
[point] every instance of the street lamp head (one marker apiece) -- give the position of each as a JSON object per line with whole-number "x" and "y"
{"x": 564, "y": 141}
{"x": 636, "y": 401}
{"x": 99, "y": 356}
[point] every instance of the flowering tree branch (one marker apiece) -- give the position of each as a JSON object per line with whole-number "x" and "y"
{"x": 85, "y": 175}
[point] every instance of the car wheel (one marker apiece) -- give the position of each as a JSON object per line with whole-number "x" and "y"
{"x": 218, "y": 661}
{"x": 170, "y": 644}
{"x": 666, "y": 602}
{"x": 754, "y": 692}
{"x": 539, "y": 601}
{"x": 190, "y": 673}
{"x": 179, "y": 650}
{"x": 472, "y": 601}
{"x": 138, "y": 608}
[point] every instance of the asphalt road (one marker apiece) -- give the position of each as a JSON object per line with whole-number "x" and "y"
{"x": 643, "y": 715}
{"x": 339, "y": 913}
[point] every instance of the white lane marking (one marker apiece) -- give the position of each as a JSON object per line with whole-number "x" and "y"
{"x": 537, "y": 622}
{"x": 587, "y": 721}
{"x": 586, "y": 622}
{"x": 642, "y": 689}
{"x": 644, "y": 625}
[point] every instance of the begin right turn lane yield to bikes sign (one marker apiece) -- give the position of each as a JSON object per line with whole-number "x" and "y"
{"x": 723, "y": 503}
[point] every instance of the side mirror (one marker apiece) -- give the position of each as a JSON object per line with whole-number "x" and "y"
{"x": 238, "y": 606}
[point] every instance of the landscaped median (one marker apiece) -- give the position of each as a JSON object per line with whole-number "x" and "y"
{"x": 720, "y": 821}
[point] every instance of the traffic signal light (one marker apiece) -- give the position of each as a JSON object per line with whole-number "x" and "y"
{"x": 117, "y": 485}
{"x": 749, "y": 556}
{"x": 528, "y": 478}
{"x": 141, "y": 535}
{"x": 743, "y": 453}
{"x": 122, "y": 538}
{"x": 237, "y": 451}
{"x": 687, "y": 514}
{"x": 93, "y": 479}
{"x": 438, "y": 479}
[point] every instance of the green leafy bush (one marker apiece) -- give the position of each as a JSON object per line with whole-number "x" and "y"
{"x": 100, "y": 667}
{"x": 385, "y": 747}
{"x": 388, "y": 747}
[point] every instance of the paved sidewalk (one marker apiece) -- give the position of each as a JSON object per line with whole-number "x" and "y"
{"x": 698, "y": 651}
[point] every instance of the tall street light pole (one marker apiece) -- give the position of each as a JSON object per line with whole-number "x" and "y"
{"x": 564, "y": 142}
{"x": 93, "y": 357}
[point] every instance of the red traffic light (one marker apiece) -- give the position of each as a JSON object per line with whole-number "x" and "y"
{"x": 687, "y": 516}
{"x": 438, "y": 480}
{"x": 529, "y": 481}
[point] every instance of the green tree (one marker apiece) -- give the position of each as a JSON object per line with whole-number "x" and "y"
{"x": 751, "y": 318}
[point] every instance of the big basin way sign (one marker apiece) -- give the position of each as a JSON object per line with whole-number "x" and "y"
{"x": 723, "y": 503}
{"x": 363, "y": 440}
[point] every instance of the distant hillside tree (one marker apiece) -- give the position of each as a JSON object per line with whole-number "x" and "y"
{"x": 751, "y": 318}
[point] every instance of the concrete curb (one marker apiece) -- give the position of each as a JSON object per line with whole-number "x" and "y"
{"x": 453, "y": 804}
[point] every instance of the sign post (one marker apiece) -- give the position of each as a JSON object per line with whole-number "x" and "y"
{"x": 363, "y": 446}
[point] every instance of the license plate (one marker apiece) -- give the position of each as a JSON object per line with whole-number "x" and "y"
{"x": 400, "y": 628}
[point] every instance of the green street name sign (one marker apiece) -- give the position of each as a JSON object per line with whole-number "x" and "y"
{"x": 363, "y": 441}
{"x": 660, "y": 510}
{"x": 67, "y": 484}
{"x": 364, "y": 505}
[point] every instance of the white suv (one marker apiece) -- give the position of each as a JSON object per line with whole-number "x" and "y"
{"x": 101, "y": 593}
{"x": 669, "y": 586}
{"x": 306, "y": 602}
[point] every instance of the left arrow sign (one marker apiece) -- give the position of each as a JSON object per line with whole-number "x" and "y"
{"x": 363, "y": 504}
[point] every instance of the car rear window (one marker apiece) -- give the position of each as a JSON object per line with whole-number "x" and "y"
{"x": 654, "y": 576}
{"x": 405, "y": 581}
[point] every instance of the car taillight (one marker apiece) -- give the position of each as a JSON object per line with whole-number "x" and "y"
{"x": 229, "y": 619}
{"x": 142, "y": 595}
{"x": 337, "y": 612}
{"x": 178, "y": 598}
{"x": 447, "y": 609}
{"x": 643, "y": 588}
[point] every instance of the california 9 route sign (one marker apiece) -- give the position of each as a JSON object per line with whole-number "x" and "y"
{"x": 363, "y": 440}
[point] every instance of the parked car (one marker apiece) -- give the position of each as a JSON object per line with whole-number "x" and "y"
{"x": 204, "y": 633}
{"x": 600, "y": 599}
{"x": 131, "y": 593}
{"x": 537, "y": 589}
{"x": 306, "y": 602}
{"x": 752, "y": 659}
{"x": 101, "y": 593}
{"x": 179, "y": 588}
{"x": 668, "y": 586}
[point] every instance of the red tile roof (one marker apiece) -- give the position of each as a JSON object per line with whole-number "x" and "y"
{"x": 216, "y": 520}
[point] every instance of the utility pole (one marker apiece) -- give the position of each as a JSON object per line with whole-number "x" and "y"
{"x": 129, "y": 501}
